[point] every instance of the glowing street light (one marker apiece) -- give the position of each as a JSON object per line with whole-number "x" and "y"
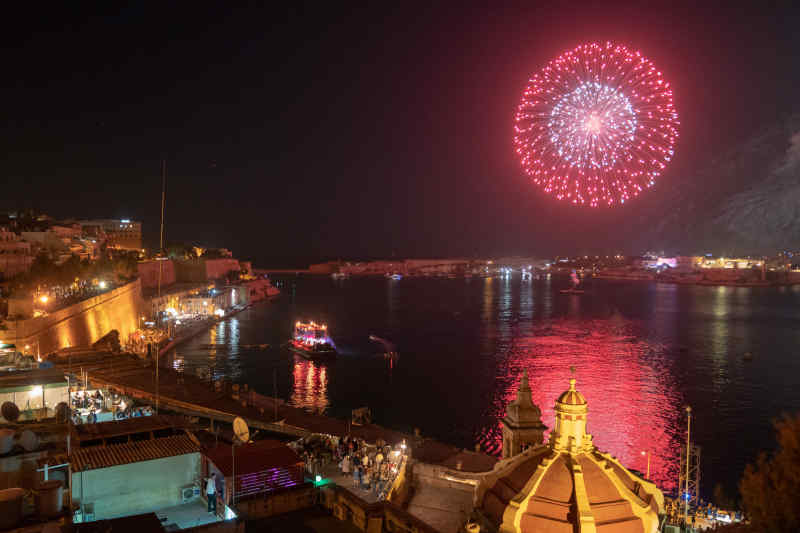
{"x": 102, "y": 284}
{"x": 43, "y": 298}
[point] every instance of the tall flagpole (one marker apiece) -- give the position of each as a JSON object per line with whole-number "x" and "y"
{"x": 163, "y": 201}
{"x": 160, "y": 259}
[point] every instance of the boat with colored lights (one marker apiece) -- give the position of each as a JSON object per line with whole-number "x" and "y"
{"x": 311, "y": 340}
{"x": 575, "y": 282}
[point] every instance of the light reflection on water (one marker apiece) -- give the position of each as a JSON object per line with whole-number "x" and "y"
{"x": 642, "y": 351}
{"x": 618, "y": 374}
{"x": 310, "y": 386}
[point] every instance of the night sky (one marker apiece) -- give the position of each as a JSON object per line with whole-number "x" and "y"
{"x": 315, "y": 132}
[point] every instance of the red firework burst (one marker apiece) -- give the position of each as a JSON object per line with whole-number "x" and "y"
{"x": 596, "y": 126}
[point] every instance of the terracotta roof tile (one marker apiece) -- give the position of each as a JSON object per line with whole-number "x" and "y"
{"x": 95, "y": 457}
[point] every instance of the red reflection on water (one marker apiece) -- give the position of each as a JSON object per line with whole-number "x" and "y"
{"x": 632, "y": 408}
{"x": 310, "y": 389}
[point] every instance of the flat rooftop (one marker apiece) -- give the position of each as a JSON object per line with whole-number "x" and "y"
{"x": 253, "y": 457}
{"x": 129, "y": 426}
{"x": 29, "y": 378}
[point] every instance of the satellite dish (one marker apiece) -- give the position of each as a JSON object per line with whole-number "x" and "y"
{"x": 240, "y": 430}
{"x": 29, "y": 440}
{"x": 10, "y": 411}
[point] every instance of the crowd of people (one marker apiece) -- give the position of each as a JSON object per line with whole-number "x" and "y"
{"x": 87, "y": 406}
{"x": 58, "y": 296}
{"x": 372, "y": 467}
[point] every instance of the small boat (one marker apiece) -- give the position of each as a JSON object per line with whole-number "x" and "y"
{"x": 339, "y": 275}
{"x": 311, "y": 340}
{"x": 575, "y": 282}
{"x": 396, "y": 277}
{"x": 388, "y": 346}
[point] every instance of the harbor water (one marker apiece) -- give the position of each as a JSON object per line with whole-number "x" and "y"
{"x": 640, "y": 351}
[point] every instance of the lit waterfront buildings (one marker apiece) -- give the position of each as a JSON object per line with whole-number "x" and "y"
{"x": 122, "y": 234}
{"x": 16, "y": 256}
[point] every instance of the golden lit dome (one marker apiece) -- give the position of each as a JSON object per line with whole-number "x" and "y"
{"x": 567, "y": 485}
{"x": 571, "y": 396}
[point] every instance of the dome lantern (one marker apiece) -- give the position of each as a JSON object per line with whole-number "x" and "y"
{"x": 569, "y": 434}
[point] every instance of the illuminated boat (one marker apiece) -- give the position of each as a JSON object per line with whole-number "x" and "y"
{"x": 575, "y": 282}
{"x": 311, "y": 340}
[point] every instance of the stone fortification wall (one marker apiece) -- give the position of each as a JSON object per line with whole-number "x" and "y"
{"x": 80, "y": 324}
{"x": 191, "y": 271}
{"x": 148, "y": 273}
{"x": 219, "y": 268}
{"x": 199, "y": 270}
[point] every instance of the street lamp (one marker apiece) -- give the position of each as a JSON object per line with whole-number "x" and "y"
{"x": 688, "y": 448}
{"x": 648, "y": 462}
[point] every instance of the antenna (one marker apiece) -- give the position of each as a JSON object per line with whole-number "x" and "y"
{"x": 163, "y": 200}
{"x": 241, "y": 431}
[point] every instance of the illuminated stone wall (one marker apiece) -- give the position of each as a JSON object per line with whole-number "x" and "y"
{"x": 148, "y": 273}
{"x": 80, "y": 324}
{"x": 219, "y": 268}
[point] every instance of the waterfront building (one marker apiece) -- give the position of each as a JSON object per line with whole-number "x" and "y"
{"x": 16, "y": 256}
{"x": 122, "y": 234}
{"x": 566, "y": 485}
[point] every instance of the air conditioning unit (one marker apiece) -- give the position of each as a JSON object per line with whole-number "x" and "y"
{"x": 187, "y": 493}
{"x": 88, "y": 512}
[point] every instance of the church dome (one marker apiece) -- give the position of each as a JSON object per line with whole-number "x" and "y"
{"x": 567, "y": 485}
{"x": 571, "y": 396}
